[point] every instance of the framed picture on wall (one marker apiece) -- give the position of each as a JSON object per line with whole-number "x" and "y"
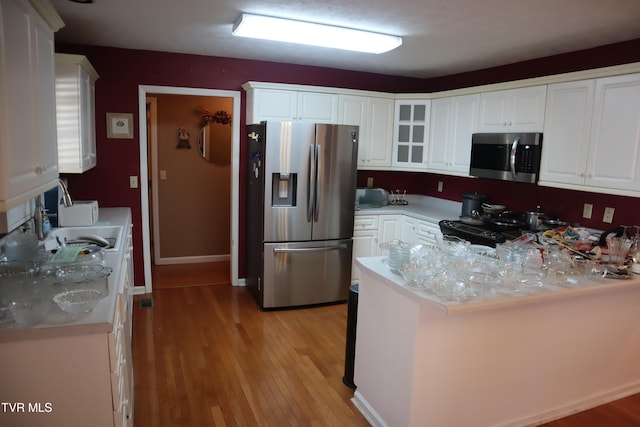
{"x": 120, "y": 125}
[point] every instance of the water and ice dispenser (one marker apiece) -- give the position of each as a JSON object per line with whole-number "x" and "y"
{"x": 284, "y": 186}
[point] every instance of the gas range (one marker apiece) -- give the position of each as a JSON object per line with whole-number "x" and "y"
{"x": 477, "y": 234}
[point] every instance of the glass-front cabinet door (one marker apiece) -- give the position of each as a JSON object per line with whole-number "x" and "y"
{"x": 411, "y": 133}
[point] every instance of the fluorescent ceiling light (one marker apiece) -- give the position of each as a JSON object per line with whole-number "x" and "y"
{"x": 285, "y": 30}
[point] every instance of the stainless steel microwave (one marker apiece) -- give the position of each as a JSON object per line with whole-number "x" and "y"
{"x": 506, "y": 156}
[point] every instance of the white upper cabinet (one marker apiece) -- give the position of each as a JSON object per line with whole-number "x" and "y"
{"x": 592, "y": 141}
{"x": 317, "y": 107}
{"x": 75, "y": 113}
{"x": 453, "y": 121}
{"x": 411, "y": 134}
{"x": 565, "y": 143}
{"x": 513, "y": 110}
{"x": 290, "y": 105}
{"x": 375, "y": 118}
{"x": 29, "y": 156}
{"x": 614, "y": 143}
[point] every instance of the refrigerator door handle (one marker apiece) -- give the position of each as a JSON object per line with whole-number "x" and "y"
{"x": 318, "y": 249}
{"x": 311, "y": 185}
{"x": 318, "y": 189}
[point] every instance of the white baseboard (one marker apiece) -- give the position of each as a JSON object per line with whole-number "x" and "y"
{"x": 367, "y": 410}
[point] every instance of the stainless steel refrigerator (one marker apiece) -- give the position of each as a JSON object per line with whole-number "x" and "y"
{"x": 300, "y": 207}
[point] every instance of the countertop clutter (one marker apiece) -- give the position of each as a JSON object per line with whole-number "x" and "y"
{"x": 517, "y": 357}
{"x": 455, "y": 274}
{"x": 483, "y": 290}
{"x": 79, "y": 366}
{"x": 35, "y": 290}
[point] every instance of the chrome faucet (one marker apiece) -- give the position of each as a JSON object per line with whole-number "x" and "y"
{"x": 66, "y": 197}
{"x": 40, "y": 215}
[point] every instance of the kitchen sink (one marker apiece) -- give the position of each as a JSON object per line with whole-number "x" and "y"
{"x": 61, "y": 236}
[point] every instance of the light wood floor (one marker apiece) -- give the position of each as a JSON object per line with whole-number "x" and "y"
{"x": 208, "y": 356}
{"x": 197, "y": 274}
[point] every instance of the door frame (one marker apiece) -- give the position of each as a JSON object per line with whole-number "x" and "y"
{"x": 143, "y": 91}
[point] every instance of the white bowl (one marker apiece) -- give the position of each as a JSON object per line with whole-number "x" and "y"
{"x": 78, "y": 301}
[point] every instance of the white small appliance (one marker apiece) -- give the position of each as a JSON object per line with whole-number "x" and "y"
{"x": 79, "y": 214}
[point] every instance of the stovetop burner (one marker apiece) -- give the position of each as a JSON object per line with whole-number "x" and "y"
{"x": 477, "y": 234}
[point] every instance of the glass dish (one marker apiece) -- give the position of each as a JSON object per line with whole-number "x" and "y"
{"x": 78, "y": 301}
{"x": 78, "y": 273}
{"x": 29, "y": 311}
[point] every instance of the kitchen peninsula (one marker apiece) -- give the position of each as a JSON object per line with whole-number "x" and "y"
{"x": 515, "y": 360}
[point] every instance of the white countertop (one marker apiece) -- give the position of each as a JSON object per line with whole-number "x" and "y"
{"x": 426, "y": 208}
{"x": 379, "y": 268}
{"x": 98, "y": 320}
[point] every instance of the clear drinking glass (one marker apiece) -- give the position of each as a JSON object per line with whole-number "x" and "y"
{"x": 399, "y": 255}
{"x": 618, "y": 248}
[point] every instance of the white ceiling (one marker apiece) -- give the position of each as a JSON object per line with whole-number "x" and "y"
{"x": 441, "y": 37}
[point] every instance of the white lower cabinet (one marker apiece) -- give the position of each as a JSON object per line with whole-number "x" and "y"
{"x": 419, "y": 232}
{"x": 365, "y": 241}
{"x": 370, "y": 231}
{"x": 120, "y": 352}
{"x": 389, "y": 228}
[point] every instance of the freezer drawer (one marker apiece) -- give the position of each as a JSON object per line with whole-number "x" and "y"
{"x": 306, "y": 273}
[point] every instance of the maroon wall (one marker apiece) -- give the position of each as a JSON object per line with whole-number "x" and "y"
{"x": 122, "y": 71}
{"x": 518, "y": 197}
{"x": 604, "y": 56}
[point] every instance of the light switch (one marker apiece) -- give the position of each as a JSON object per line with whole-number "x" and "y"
{"x": 163, "y": 175}
{"x": 133, "y": 182}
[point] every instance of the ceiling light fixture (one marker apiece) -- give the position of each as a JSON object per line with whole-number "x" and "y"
{"x": 286, "y": 30}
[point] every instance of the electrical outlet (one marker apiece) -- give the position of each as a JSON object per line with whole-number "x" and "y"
{"x": 440, "y": 183}
{"x": 587, "y": 210}
{"x": 608, "y": 215}
{"x": 133, "y": 182}
{"x": 370, "y": 182}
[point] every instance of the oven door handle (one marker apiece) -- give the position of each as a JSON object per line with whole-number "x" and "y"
{"x": 514, "y": 151}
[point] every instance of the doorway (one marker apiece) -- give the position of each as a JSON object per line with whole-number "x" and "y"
{"x": 148, "y": 167}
